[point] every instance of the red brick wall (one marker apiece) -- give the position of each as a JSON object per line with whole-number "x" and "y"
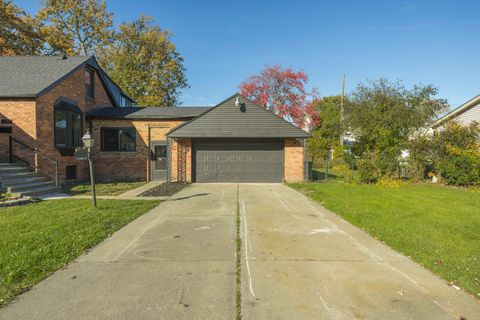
{"x": 187, "y": 145}
{"x": 129, "y": 165}
{"x": 294, "y": 161}
{"x": 72, "y": 88}
{"x": 22, "y": 113}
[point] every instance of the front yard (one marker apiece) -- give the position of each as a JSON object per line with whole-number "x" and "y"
{"x": 104, "y": 188}
{"x": 439, "y": 227}
{"x": 39, "y": 238}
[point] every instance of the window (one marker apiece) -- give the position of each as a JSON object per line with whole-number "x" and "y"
{"x": 68, "y": 128}
{"x": 89, "y": 85}
{"x": 118, "y": 139}
{"x": 124, "y": 101}
{"x": 71, "y": 172}
{"x": 6, "y": 126}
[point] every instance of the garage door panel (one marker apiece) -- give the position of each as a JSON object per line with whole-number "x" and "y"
{"x": 221, "y": 157}
{"x": 238, "y": 161}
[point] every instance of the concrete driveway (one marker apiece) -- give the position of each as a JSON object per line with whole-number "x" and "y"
{"x": 299, "y": 261}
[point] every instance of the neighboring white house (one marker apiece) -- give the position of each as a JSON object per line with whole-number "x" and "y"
{"x": 466, "y": 113}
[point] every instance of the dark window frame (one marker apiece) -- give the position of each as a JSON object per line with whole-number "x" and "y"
{"x": 118, "y": 129}
{"x": 70, "y": 135}
{"x": 90, "y": 87}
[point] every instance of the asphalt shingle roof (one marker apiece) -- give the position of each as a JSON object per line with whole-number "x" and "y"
{"x": 229, "y": 120}
{"x": 27, "y": 76}
{"x": 146, "y": 112}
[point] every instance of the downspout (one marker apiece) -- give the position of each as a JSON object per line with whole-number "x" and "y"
{"x": 305, "y": 160}
{"x": 149, "y": 154}
{"x": 169, "y": 157}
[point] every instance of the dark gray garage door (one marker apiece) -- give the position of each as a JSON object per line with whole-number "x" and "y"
{"x": 234, "y": 160}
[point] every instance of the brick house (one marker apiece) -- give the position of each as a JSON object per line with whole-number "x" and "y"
{"x": 47, "y": 103}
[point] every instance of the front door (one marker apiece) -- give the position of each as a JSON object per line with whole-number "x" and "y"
{"x": 159, "y": 160}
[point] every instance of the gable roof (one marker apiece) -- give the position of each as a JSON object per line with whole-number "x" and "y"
{"x": 457, "y": 111}
{"x": 114, "y": 88}
{"x": 29, "y": 76}
{"x": 226, "y": 120}
{"x": 145, "y": 112}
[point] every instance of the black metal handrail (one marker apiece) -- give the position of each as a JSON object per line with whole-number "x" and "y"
{"x": 35, "y": 150}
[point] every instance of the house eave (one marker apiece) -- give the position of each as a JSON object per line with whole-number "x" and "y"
{"x": 17, "y": 96}
{"x": 457, "y": 111}
{"x": 220, "y": 135}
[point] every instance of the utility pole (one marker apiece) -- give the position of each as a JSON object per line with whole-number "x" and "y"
{"x": 342, "y": 109}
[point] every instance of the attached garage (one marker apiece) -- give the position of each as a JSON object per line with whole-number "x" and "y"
{"x": 237, "y": 141}
{"x": 238, "y": 160}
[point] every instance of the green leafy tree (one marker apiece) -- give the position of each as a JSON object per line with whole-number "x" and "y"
{"x": 326, "y": 135}
{"x": 75, "y": 26}
{"x": 145, "y": 63}
{"x": 384, "y": 115}
{"x": 19, "y": 34}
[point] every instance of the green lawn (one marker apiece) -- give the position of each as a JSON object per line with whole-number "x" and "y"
{"x": 439, "y": 227}
{"x": 39, "y": 238}
{"x": 104, "y": 188}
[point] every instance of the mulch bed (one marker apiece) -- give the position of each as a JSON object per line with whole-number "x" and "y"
{"x": 165, "y": 189}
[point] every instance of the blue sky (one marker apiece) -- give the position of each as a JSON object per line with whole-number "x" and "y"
{"x": 223, "y": 42}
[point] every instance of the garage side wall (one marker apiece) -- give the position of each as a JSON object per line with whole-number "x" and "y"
{"x": 181, "y": 152}
{"x": 294, "y": 160}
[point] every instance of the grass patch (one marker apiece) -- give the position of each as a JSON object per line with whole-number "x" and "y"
{"x": 104, "y": 188}
{"x": 436, "y": 226}
{"x": 39, "y": 238}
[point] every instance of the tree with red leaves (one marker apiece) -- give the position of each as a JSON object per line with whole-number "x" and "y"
{"x": 282, "y": 91}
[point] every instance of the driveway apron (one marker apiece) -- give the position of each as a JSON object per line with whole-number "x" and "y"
{"x": 300, "y": 261}
{"x": 175, "y": 262}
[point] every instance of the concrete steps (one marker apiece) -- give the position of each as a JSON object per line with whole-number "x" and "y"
{"x": 18, "y": 179}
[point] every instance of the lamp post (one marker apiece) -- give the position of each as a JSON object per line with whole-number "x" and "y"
{"x": 88, "y": 140}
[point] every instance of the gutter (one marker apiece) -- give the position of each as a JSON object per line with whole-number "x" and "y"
{"x": 20, "y": 95}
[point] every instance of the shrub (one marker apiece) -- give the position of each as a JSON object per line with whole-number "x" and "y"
{"x": 344, "y": 172}
{"x": 367, "y": 171}
{"x": 475, "y": 188}
{"x": 461, "y": 170}
{"x": 457, "y": 153}
{"x": 392, "y": 183}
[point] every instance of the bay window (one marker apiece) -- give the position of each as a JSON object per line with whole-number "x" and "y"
{"x": 67, "y": 127}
